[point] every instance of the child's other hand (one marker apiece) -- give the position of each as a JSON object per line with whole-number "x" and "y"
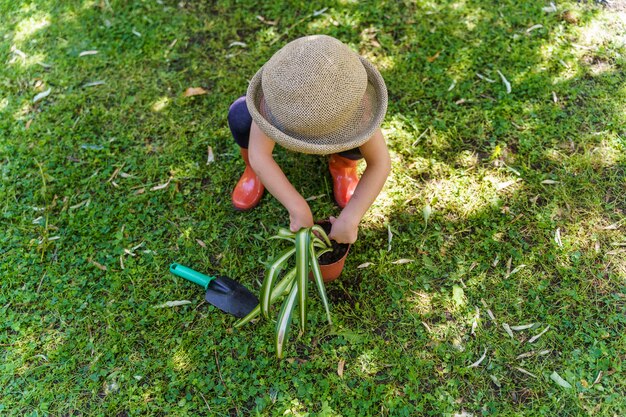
{"x": 300, "y": 218}
{"x": 343, "y": 231}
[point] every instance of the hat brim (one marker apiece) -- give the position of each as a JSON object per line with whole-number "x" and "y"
{"x": 349, "y": 137}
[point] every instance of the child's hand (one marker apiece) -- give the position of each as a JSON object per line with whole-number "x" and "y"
{"x": 300, "y": 218}
{"x": 343, "y": 231}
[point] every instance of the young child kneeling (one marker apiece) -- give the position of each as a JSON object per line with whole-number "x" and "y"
{"x": 316, "y": 96}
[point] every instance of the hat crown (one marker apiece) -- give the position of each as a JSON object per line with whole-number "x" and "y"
{"x": 313, "y": 85}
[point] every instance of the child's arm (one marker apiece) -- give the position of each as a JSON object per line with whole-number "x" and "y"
{"x": 345, "y": 227}
{"x": 262, "y": 162}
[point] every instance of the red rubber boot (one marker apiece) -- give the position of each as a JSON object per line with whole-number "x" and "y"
{"x": 345, "y": 179}
{"x": 249, "y": 189}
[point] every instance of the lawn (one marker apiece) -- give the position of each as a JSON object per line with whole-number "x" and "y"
{"x": 489, "y": 278}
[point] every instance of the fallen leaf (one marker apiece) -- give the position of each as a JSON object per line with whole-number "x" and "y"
{"x": 267, "y": 22}
{"x": 314, "y": 197}
{"x": 389, "y": 238}
{"x": 482, "y": 77}
{"x": 549, "y": 182}
{"x": 210, "y": 158}
{"x": 613, "y": 226}
{"x": 434, "y": 57}
{"x": 161, "y": 186}
{"x": 86, "y": 53}
{"x": 530, "y": 29}
{"x": 554, "y": 97}
{"x": 526, "y": 355}
{"x": 340, "y": 367}
{"x": 173, "y": 304}
{"x": 201, "y": 243}
{"x": 94, "y": 83}
{"x": 236, "y": 43}
{"x": 365, "y": 265}
{"x": 194, "y": 91}
{"x": 550, "y": 9}
{"x": 28, "y": 124}
{"x": 426, "y": 212}
{"x": 506, "y": 82}
{"x": 402, "y": 261}
{"x": 479, "y": 361}
{"x": 83, "y": 203}
{"x": 97, "y": 264}
{"x": 508, "y": 331}
{"x": 560, "y": 381}
{"x": 524, "y": 371}
{"x": 495, "y": 381}
{"x": 522, "y": 327}
{"x": 452, "y": 85}
{"x": 515, "y": 270}
{"x": 42, "y": 95}
{"x": 557, "y": 237}
{"x": 137, "y": 34}
{"x": 319, "y": 12}
{"x": 598, "y": 378}
{"x": 140, "y": 191}
{"x": 501, "y": 186}
{"x": 534, "y": 338}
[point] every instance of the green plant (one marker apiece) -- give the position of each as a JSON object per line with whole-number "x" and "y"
{"x": 308, "y": 245}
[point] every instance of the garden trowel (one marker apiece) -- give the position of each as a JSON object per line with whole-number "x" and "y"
{"x": 224, "y": 293}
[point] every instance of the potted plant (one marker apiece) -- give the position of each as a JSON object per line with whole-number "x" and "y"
{"x": 308, "y": 245}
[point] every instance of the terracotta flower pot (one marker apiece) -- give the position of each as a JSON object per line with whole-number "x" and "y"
{"x": 331, "y": 271}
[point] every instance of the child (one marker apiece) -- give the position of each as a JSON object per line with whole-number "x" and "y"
{"x": 315, "y": 96}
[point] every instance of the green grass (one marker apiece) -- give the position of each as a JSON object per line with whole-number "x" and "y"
{"x": 78, "y": 166}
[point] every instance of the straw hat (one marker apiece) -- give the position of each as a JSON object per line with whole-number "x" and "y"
{"x": 315, "y": 95}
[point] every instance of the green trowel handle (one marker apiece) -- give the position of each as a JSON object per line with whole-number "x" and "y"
{"x": 191, "y": 275}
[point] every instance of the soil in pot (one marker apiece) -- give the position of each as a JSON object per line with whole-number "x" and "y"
{"x": 339, "y": 249}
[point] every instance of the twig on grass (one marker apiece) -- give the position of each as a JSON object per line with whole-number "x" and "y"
{"x": 219, "y": 371}
{"x": 420, "y": 136}
{"x": 205, "y": 401}
{"x": 41, "y": 282}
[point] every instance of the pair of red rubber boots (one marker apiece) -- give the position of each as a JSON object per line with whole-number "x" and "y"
{"x": 249, "y": 189}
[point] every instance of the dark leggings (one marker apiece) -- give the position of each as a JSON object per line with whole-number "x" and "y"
{"x": 239, "y": 121}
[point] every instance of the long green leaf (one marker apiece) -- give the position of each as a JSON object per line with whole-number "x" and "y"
{"x": 319, "y": 280}
{"x": 284, "y": 319}
{"x": 319, "y": 230}
{"x": 280, "y": 289}
{"x": 283, "y": 232}
{"x": 303, "y": 238}
{"x": 255, "y": 312}
{"x": 284, "y": 285}
{"x": 289, "y": 239}
{"x": 319, "y": 243}
{"x": 270, "y": 274}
